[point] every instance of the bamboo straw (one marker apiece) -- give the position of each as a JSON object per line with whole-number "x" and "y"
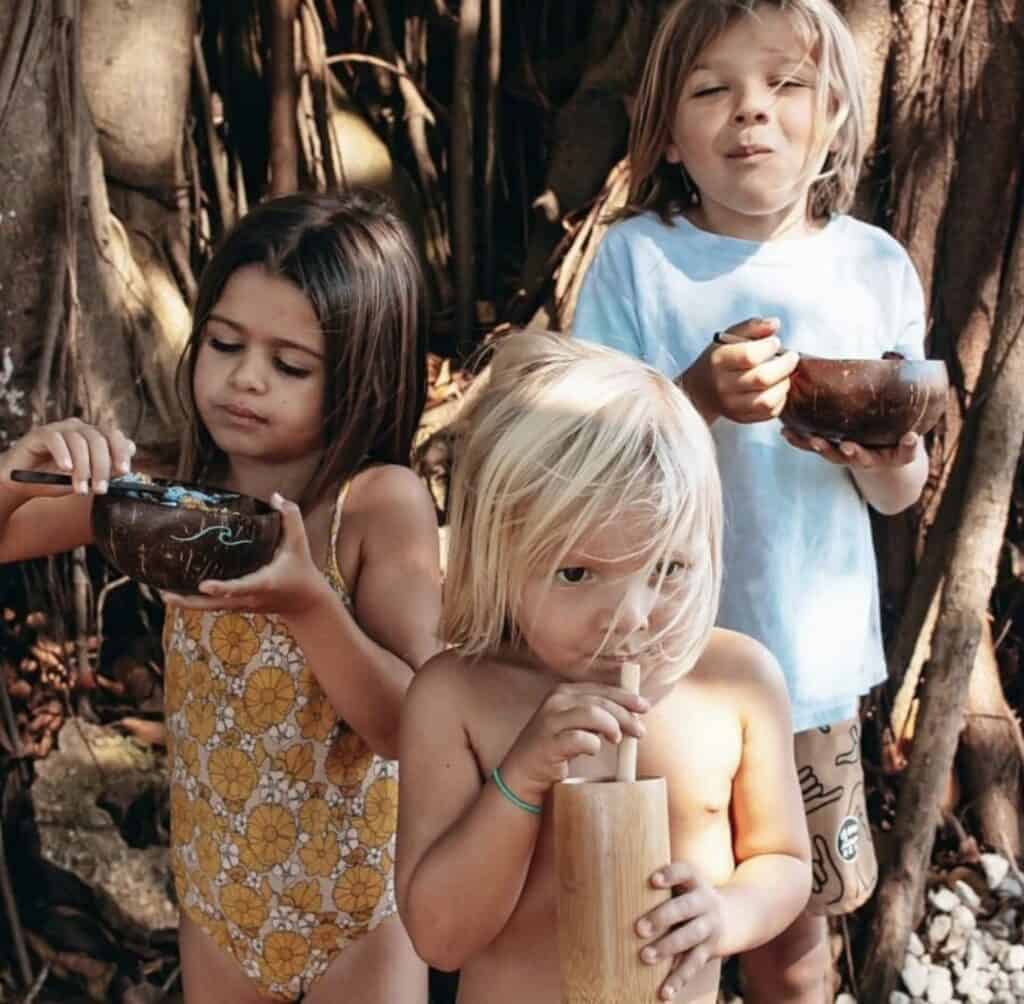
{"x": 629, "y": 679}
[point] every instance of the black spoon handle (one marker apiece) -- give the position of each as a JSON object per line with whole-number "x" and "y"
{"x": 115, "y": 486}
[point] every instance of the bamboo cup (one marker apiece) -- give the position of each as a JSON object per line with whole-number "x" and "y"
{"x": 610, "y": 836}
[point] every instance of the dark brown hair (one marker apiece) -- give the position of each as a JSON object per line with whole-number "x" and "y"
{"x": 354, "y": 258}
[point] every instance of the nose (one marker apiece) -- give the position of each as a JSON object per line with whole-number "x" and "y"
{"x": 753, "y": 105}
{"x": 248, "y": 372}
{"x": 631, "y": 614}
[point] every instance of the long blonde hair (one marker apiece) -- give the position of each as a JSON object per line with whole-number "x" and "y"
{"x": 568, "y": 437}
{"x": 686, "y": 30}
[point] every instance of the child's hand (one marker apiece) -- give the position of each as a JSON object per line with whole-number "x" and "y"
{"x": 742, "y": 375}
{"x": 290, "y": 583}
{"x": 89, "y": 454}
{"x": 686, "y": 927}
{"x": 849, "y": 454}
{"x": 572, "y": 721}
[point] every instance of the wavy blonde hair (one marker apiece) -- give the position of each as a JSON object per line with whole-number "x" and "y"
{"x": 686, "y": 30}
{"x": 566, "y": 438}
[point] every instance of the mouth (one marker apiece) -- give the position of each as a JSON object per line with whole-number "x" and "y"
{"x": 240, "y": 413}
{"x": 749, "y": 151}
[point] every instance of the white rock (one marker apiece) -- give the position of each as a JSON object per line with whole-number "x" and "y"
{"x": 1001, "y": 981}
{"x": 1010, "y": 888}
{"x": 1017, "y": 983}
{"x": 955, "y": 946}
{"x": 939, "y": 928}
{"x": 915, "y": 976}
{"x": 964, "y": 920}
{"x": 967, "y": 895}
{"x": 977, "y": 957}
{"x": 980, "y": 995}
{"x": 898, "y": 997}
{"x": 995, "y": 867}
{"x": 943, "y": 899}
{"x": 914, "y": 947}
{"x": 846, "y": 999}
{"x": 940, "y": 986}
{"x": 1013, "y": 960}
{"x": 1008, "y": 916}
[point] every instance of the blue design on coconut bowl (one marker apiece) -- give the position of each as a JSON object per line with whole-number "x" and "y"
{"x": 177, "y": 538}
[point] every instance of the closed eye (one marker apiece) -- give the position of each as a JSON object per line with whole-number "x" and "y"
{"x": 704, "y": 92}
{"x": 289, "y": 370}
{"x": 221, "y": 346}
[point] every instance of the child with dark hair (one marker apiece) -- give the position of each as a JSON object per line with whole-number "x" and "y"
{"x": 303, "y": 379}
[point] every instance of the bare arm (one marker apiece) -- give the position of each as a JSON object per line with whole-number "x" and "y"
{"x": 463, "y": 850}
{"x": 772, "y": 880}
{"x": 397, "y": 608}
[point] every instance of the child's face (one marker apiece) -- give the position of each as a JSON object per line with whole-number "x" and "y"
{"x": 603, "y": 607}
{"x": 259, "y": 373}
{"x": 744, "y": 125}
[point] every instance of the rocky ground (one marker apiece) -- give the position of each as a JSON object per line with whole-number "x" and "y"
{"x": 970, "y": 945}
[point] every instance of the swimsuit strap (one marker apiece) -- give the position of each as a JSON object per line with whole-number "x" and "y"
{"x": 332, "y": 544}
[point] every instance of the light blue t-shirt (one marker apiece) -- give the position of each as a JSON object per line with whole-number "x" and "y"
{"x": 800, "y": 572}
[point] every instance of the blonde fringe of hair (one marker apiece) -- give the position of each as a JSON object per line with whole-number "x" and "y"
{"x": 567, "y": 438}
{"x": 839, "y": 143}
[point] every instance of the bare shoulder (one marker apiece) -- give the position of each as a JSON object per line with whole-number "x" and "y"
{"x": 745, "y": 668}
{"x": 391, "y": 487}
{"x": 390, "y": 508}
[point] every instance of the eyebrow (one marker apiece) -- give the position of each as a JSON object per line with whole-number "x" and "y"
{"x": 283, "y": 343}
{"x": 787, "y": 59}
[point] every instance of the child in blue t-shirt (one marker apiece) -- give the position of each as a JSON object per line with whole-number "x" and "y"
{"x": 746, "y": 146}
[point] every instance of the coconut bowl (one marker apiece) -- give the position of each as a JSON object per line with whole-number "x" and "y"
{"x": 176, "y": 541}
{"x": 873, "y": 402}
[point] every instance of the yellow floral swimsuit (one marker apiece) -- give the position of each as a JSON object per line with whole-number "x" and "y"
{"x": 282, "y": 818}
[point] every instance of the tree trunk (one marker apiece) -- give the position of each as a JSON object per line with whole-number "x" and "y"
{"x": 969, "y": 581}
{"x": 108, "y": 292}
{"x": 991, "y": 748}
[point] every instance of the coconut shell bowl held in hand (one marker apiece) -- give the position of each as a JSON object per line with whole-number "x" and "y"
{"x": 189, "y": 534}
{"x": 873, "y": 402}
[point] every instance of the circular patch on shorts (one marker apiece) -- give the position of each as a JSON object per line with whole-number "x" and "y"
{"x": 848, "y": 838}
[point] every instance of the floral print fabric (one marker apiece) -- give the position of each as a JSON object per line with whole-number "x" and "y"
{"x": 282, "y": 819}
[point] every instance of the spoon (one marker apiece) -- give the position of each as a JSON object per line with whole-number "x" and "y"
{"x": 117, "y": 486}
{"x": 129, "y": 487}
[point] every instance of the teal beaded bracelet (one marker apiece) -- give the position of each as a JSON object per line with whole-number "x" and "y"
{"x": 512, "y": 796}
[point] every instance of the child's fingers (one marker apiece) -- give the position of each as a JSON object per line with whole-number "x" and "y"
{"x": 571, "y": 743}
{"x": 678, "y": 874}
{"x": 759, "y": 406}
{"x": 768, "y": 374}
{"x": 741, "y": 356}
{"x": 122, "y": 449}
{"x": 754, "y": 327}
{"x": 293, "y": 529}
{"x": 603, "y": 719}
{"x": 679, "y": 938}
{"x": 81, "y": 466}
{"x": 566, "y": 695}
{"x": 687, "y": 969}
{"x": 99, "y": 458}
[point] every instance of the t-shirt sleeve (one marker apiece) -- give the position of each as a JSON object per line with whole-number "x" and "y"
{"x": 910, "y": 323}
{"x": 606, "y": 311}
